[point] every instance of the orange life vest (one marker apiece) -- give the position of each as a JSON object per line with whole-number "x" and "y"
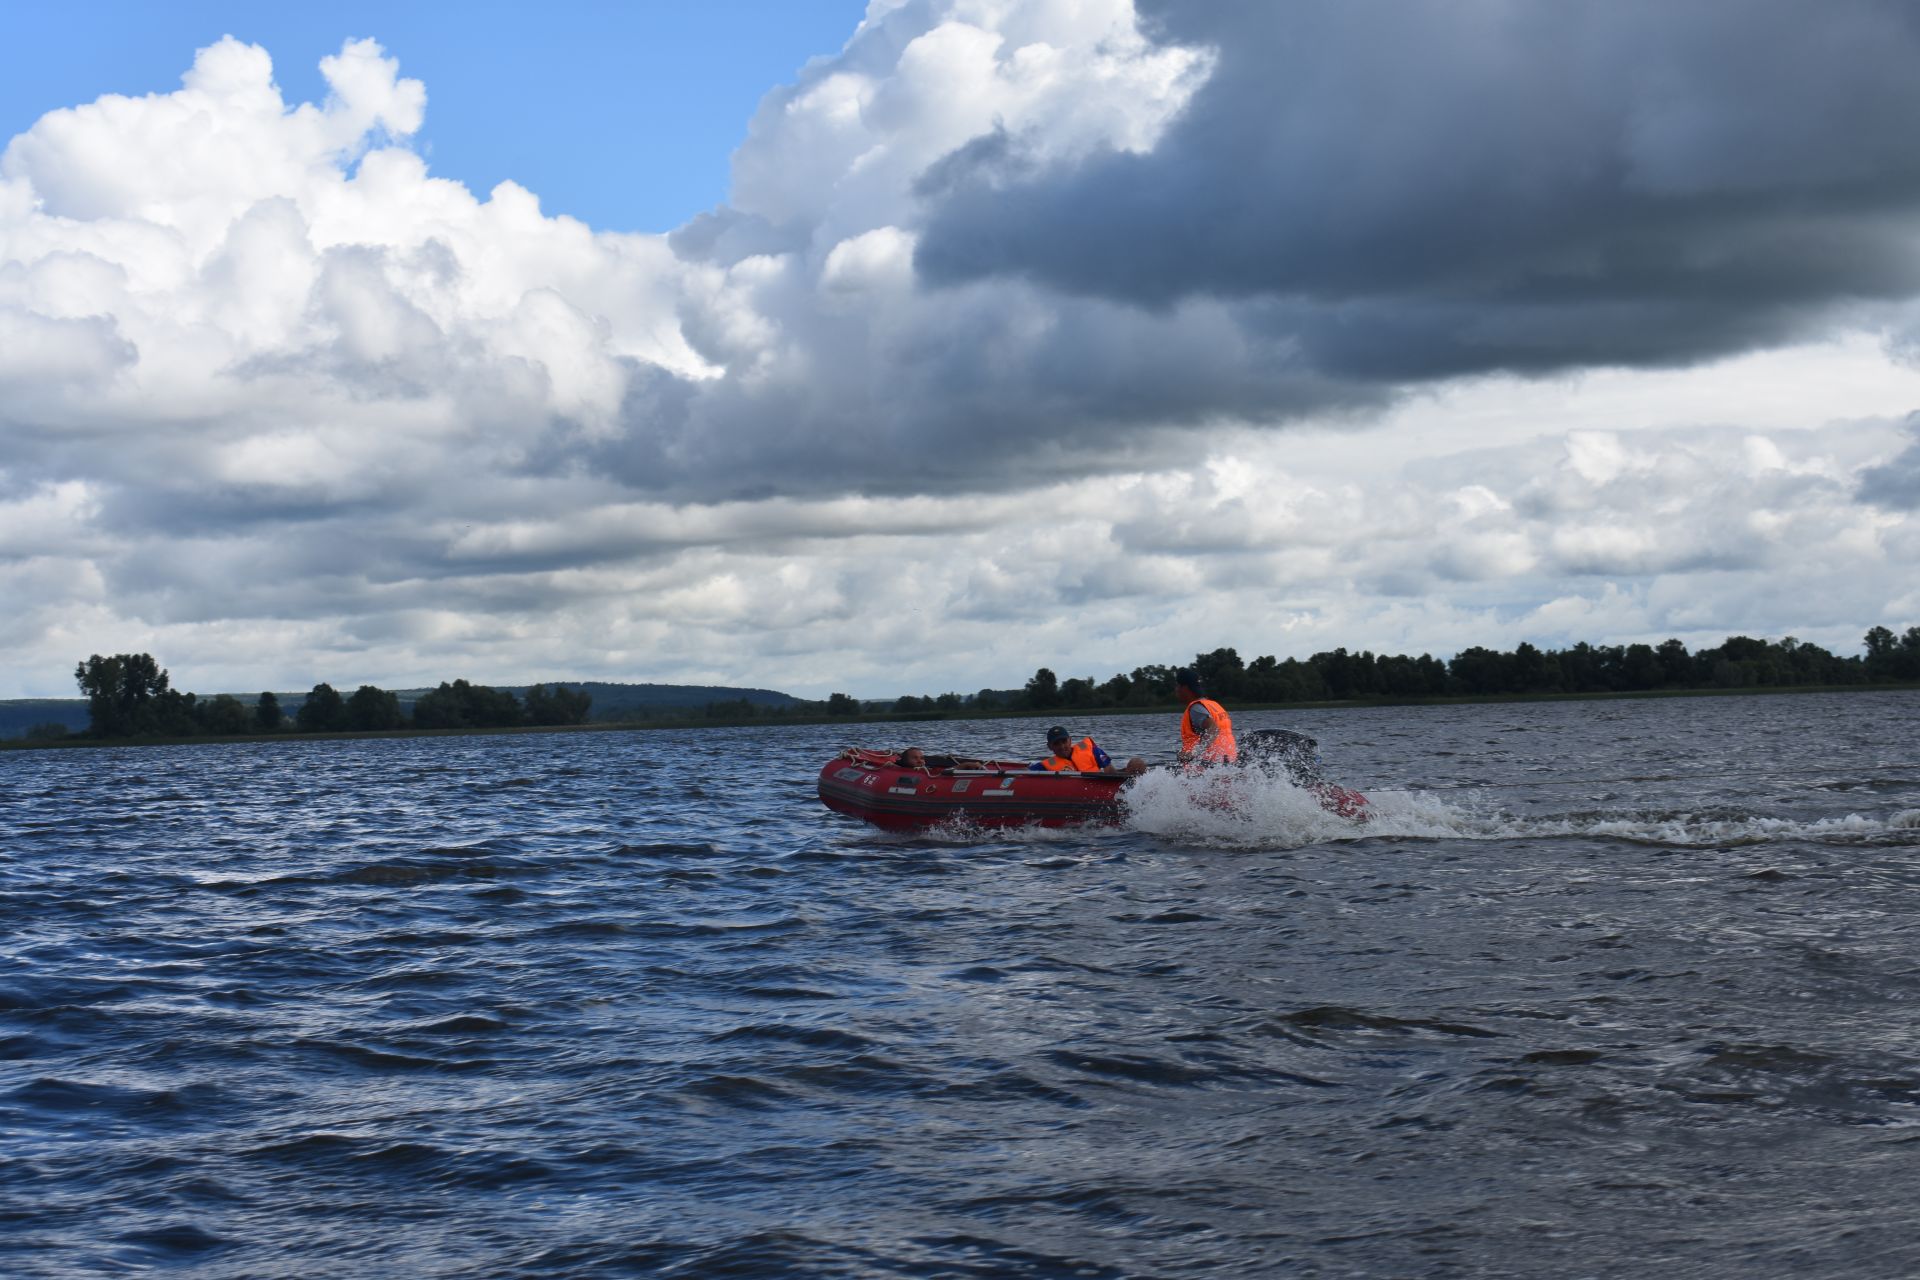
{"x": 1080, "y": 756}
{"x": 1222, "y": 747}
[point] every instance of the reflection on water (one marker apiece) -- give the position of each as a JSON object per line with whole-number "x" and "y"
{"x": 1602, "y": 987}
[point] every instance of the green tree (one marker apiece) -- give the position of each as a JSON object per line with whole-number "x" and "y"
{"x": 1740, "y": 662}
{"x": 1077, "y": 692}
{"x": 370, "y": 710}
{"x": 1642, "y": 668}
{"x": 223, "y": 715}
{"x": 1531, "y": 672}
{"x": 840, "y": 704}
{"x": 124, "y": 694}
{"x": 461, "y": 705}
{"x": 1810, "y": 664}
{"x": 1399, "y": 676}
{"x": 1478, "y": 670}
{"x": 1043, "y": 690}
{"x": 1262, "y": 682}
{"x": 1906, "y": 659}
{"x": 1676, "y": 664}
{"x": 267, "y": 714}
{"x": 176, "y": 715}
{"x": 1220, "y": 671}
{"x": 324, "y": 711}
{"x": 1882, "y": 649}
{"x": 1151, "y": 685}
{"x": 439, "y": 709}
{"x": 560, "y": 705}
{"x": 1343, "y": 673}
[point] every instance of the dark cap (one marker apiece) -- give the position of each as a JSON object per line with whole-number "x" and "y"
{"x": 1186, "y": 677}
{"x": 1058, "y": 734}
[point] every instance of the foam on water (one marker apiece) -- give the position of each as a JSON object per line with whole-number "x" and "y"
{"x": 1235, "y": 808}
{"x": 1690, "y": 830}
{"x": 1253, "y": 809}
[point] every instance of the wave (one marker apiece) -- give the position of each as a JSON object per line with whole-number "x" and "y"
{"x": 1249, "y": 809}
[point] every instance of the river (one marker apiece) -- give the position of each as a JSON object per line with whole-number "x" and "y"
{"x": 1605, "y": 989}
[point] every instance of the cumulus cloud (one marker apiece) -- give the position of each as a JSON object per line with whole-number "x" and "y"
{"x": 982, "y": 361}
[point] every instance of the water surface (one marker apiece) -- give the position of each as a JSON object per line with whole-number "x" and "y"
{"x": 1604, "y": 988}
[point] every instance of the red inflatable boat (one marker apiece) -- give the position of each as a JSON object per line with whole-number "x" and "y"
{"x": 986, "y": 793}
{"x": 872, "y": 786}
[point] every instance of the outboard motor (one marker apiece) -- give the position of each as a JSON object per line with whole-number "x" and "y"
{"x": 1272, "y": 749}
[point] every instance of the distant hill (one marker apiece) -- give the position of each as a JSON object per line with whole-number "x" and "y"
{"x": 610, "y": 702}
{"x": 17, "y": 715}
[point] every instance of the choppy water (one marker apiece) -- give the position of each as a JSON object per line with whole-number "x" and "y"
{"x": 1606, "y": 989}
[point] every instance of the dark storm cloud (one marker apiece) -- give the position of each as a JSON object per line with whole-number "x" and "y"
{"x": 1896, "y": 484}
{"x": 974, "y": 395}
{"x": 1425, "y": 189}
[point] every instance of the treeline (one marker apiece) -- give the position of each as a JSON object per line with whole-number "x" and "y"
{"x": 129, "y": 695}
{"x": 1740, "y": 662}
{"x": 458, "y": 705}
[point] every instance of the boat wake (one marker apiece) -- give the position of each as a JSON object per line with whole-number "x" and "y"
{"x": 1252, "y": 810}
{"x": 1687, "y": 830}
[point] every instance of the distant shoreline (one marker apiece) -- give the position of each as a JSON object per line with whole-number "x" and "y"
{"x": 1068, "y": 714}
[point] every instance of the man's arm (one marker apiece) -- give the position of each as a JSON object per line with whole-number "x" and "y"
{"x": 1203, "y": 725}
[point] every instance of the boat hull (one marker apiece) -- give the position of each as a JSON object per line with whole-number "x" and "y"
{"x": 867, "y": 785}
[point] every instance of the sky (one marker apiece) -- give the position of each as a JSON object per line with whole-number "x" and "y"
{"x": 911, "y": 347}
{"x": 622, "y": 115}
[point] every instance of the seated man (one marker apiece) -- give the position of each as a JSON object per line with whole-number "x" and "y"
{"x": 1064, "y": 753}
{"x": 912, "y": 758}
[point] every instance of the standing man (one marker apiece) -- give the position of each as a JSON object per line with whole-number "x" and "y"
{"x": 1206, "y": 730}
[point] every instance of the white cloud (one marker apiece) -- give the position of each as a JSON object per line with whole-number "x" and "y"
{"x": 842, "y": 148}
{"x": 875, "y": 261}
{"x": 39, "y": 353}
